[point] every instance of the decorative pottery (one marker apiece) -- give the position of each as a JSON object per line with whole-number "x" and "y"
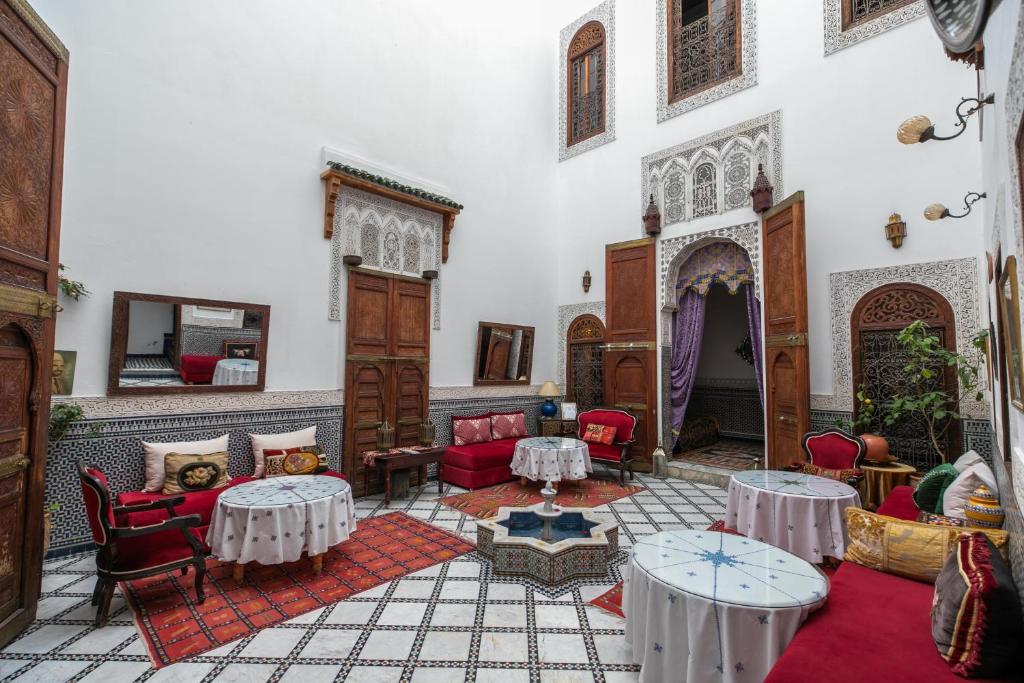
{"x": 878, "y": 449}
{"x": 983, "y": 509}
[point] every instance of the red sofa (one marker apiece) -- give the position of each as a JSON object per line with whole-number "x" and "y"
{"x": 481, "y": 464}
{"x": 198, "y": 369}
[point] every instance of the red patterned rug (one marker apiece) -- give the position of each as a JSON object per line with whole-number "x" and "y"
{"x": 381, "y": 549}
{"x": 587, "y": 493}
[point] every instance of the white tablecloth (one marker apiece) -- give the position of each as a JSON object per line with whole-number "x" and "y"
{"x": 236, "y": 371}
{"x": 706, "y": 606}
{"x": 551, "y": 458}
{"x": 274, "y": 520}
{"x": 800, "y": 513}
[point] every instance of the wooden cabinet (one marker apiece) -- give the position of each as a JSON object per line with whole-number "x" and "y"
{"x": 387, "y": 364}
{"x": 556, "y": 426}
{"x": 33, "y": 87}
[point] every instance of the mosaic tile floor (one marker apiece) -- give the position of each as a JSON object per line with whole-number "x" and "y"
{"x": 450, "y": 622}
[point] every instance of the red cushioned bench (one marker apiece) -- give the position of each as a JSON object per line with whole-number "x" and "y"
{"x": 198, "y": 369}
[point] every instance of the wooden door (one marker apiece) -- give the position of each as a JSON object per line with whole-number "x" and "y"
{"x": 630, "y": 360}
{"x": 786, "y": 369}
{"x": 33, "y": 88}
{"x": 409, "y": 345}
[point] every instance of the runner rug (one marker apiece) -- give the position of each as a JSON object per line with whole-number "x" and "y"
{"x": 381, "y": 549}
{"x": 586, "y": 493}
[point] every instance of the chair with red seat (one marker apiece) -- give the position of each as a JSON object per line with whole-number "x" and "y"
{"x": 833, "y": 453}
{"x": 616, "y": 452}
{"x": 126, "y": 553}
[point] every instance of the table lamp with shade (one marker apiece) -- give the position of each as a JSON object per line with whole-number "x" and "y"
{"x": 549, "y": 390}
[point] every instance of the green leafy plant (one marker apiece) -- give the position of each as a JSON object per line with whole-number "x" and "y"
{"x": 862, "y": 416}
{"x": 927, "y": 360}
{"x": 71, "y": 288}
{"x": 61, "y": 417}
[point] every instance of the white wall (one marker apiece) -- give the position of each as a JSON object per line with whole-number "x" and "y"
{"x": 192, "y": 161}
{"x": 147, "y": 323}
{"x": 725, "y": 326}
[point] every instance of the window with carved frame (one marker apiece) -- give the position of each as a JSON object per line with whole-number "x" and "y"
{"x": 584, "y": 362}
{"x": 587, "y": 81}
{"x": 857, "y": 12}
{"x": 704, "y": 44}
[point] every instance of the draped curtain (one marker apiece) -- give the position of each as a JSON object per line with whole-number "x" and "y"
{"x": 688, "y": 329}
{"x": 754, "y": 321}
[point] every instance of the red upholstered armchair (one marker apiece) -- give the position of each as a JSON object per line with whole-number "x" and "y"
{"x": 615, "y": 454}
{"x": 127, "y": 552}
{"x": 833, "y": 453}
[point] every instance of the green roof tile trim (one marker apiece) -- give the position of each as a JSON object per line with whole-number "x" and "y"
{"x": 393, "y": 184}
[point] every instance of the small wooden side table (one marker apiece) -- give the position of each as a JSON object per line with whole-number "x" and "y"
{"x": 556, "y": 426}
{"x": 880, "y": 480}
{"x": 397, "y": 461}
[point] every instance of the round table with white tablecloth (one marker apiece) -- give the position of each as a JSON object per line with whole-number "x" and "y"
{"x": 275, "y": 520}
{"x": 229, "y": 371}
{"x": 707, "y": 606}
{"x": 801, "y": 513}
{"x": 551, "y": 458}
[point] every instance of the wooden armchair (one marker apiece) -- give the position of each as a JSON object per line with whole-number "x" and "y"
{"x": 126, "y": 553}
{"x": 617, "y": 453}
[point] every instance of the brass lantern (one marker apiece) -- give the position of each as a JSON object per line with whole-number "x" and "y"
{"x": 895, "y": 230}
{"x": 652, "y": 219}
{"x": 762, "y": 192}
{"x": 385, "y": 436}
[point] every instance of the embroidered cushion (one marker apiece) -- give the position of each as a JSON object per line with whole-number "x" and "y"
{"x": 155, "y": 452}
{"x": 976, "y": 617}
{"x": 469, "y": 430}
{"x": 260, "y": 442}
{"x": 928, "y": 494}
{"x": 596, "y": 433}
{"x": 508, "y": 426}
{"x": 298, "y": 460}
{"x": 194, "y": 472}
{"x": 941, "y": 520}
{"x": 838, "y": 475}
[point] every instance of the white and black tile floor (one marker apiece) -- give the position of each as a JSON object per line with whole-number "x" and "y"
{"x": 450, "y": 622}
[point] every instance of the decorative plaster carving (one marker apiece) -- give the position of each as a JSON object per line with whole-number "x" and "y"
{"x": 566, "y": 314}
{"x": 956, "y": 280}
{"x": 382, "y": 231}
{"x": 733, "y": 152}
{"x": 106, "y": 408}
{"x": 746, "y": 79}
{"x": 604, "y": 13}
{"x": 1014, "y": 95}
{"x": 459, "y": 393}
{"x": 836, "y": 38}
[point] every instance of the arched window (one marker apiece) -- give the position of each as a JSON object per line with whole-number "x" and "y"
{"x": 584, "y": 363}
{"x": 586, "y": 83}
{"x": 703, "y": 45}
{"x": 391, "y": 251}
{"x": 705, "y": 191}
{"x": 738, "y": 180}
{"x": 857, "y": 12}
{"x": 675, "y": 197}
{"x": 411, "y": 253}
{"x": 369, "y": 244}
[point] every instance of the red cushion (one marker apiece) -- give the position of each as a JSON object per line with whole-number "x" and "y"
{"x": 900, "y": 504}
{"x": 481, "y": 456}
{"x": 623, "y": 422}
{"x": 597, "y": 433}
{"x": 198, "y": 368}
{"x": 153, "y": 550}
{"x": 509, "y": 425}
{"x": 833, "y": 451}
{"x": 471, "y": 430}
{"x": 196, "y": 502}
{"x": 600, "y": 451}
{"x": 874, "y": 627}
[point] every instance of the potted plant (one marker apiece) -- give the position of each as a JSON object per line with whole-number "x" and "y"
{"x": 863, "y": 417}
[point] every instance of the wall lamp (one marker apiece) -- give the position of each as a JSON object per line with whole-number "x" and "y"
{"x": 936, "y": 212}
{"x": 921, "y": 129}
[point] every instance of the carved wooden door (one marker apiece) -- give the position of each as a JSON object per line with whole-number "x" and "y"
{"x": 33, "y": 87}
{"x": 787, "y": 372}
{"x": 630, "y": 361}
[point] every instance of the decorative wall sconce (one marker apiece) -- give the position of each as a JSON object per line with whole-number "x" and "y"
{"x": 586, "y": 281}
{"x": 385, "y": 436}
{"x": 352, "y": 259}
{"x": 429, "y": 274}
{"x": 921, "y": 129}
{"x": 936, "y": 212}
{"x": 652, "y": 219}
{"x": 895, "y": 230}
{"x": 762, "y": 192}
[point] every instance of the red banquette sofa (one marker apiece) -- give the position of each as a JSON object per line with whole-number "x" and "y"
{"x": 482, "y": 450}
{"x": 198, "y": 369}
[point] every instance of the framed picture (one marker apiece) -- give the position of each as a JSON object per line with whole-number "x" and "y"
{"x": 568, "y": 411}
{"x": 1009, "y": 307}
{"x": 248, "y": 350}
{"x": 63, "y": 372}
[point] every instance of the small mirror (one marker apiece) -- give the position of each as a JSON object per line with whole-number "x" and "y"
{"x": 504, "y": 354}
{"x": 164, "y": 344}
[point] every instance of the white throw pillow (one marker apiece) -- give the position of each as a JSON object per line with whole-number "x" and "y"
{"x": 155, "y": 453}
{"x": 955, "y": 497}
{"x": 966, "y": 460}
{"x": 298, "y": 439}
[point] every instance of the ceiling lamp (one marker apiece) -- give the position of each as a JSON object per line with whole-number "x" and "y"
{"x": 921, "y": 129}
{"x": 936, "y": 212}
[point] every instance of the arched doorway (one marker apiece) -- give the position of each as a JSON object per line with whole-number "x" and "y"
{"x": 878, "y": 362}
{"x": 584, "y": 362}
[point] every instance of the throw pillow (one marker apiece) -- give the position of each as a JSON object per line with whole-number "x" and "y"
{"x": 955, "y": 497}
{"x": 471, "y": 430}
{"x": 910, "y": 549}
{"x": 966, "y": 460}
{"x": 928, "y": 494}
{"x": 508, "y": 426}
{"x": 260, "y": 442}
{"x": 976, "y": 616}
{"x": 194, "y": 472}
{"x": 596, "y": 433}
{"x": 155, "y": 452}
{"x": 838, "y": 475}
{"x": 942, "y": 520}
{"x": 280, "y": 462}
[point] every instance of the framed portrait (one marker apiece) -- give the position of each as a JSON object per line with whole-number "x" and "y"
{"x": 1009, "y": 307}
{"x": 247, "y": 350}
{"x": 62, "y": 377}
{"x": 569, "y": 411}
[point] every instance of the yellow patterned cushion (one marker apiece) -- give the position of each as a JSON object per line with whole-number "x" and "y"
{"x": 183, "y": 472}
{"x": 910, "y": 549}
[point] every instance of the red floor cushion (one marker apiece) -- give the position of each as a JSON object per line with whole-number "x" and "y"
{"x": 600, "y": 451}
{"x": 900, "y": 504}
{"x": 481, "y": 456}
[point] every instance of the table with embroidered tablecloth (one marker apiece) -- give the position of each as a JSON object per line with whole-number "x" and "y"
{"x": 551, "y": 458}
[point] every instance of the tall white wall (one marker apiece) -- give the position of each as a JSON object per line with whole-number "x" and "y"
{"x": 192, "y": 161}
{"x": 148, "y": 321}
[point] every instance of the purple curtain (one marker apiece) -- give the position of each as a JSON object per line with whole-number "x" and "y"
{"x": 754, "y": 320}
{"x": 688, "y": 328}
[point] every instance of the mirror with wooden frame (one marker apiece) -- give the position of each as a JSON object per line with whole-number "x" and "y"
{"x": 504, "y": 354}
{"x": 167, "y": 344}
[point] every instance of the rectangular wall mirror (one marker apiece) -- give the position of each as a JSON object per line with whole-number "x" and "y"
{"x": 165, "y": 344}
{"x": 504, "y": 354}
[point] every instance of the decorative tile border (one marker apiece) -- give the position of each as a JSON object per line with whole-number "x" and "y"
{"x": 747, "y": 79}
{"x": 604, "y": 13}
{"x": 836, "y": 38}
{"x": 469, "y": 393}
{"x": 735, "y": 403}
{"x": 566, "y": 314}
